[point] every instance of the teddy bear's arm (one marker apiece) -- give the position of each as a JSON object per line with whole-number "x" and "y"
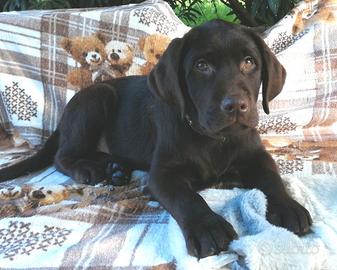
{"x": 80, "y": 77}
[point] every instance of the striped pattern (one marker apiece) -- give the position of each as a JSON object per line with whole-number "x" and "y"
{"x": 309, "y": 97}
{"x": 119, "y": 228}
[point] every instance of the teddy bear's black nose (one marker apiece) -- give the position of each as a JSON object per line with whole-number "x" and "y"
{"x": 38, "y": 194}
{"x": 114, "y": 56}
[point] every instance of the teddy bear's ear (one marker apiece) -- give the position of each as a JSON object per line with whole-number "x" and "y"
{"x": 141, "y": 43}
{"x": 101, "y": 37}
{"x": 66, "y": 44}
{"x": 129, "y": 47}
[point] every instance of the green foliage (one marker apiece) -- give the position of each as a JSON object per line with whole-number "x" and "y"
{"x": 49, "y": 4}
{"x": 191, "y": 12}
{"x": 267, "y": 12}
{"x": 248, "y": 12}
{"x": 9, "y": 5}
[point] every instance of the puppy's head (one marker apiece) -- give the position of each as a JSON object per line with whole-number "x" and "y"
{"x": 214, "y": 74}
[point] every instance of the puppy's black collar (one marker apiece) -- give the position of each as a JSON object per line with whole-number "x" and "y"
{"x": 198, "y": 129}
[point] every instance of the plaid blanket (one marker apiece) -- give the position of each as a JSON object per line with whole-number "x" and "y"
{"x": 49, "y": 222}
{"x": 35, "y": 64}
{"x": 305, "y": 43}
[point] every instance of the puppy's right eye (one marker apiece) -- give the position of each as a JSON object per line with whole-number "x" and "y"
{"x": 248, "y": 64}
{"x": 202, "y": 66}
{"x": 85, "y": 54}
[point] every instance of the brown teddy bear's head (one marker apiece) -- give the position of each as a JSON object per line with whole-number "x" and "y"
{"x": 50, "y": 195}
{"x": 119, "y": 53}
{"x": 153, "y": 47}
{"x": 88, "y": 51}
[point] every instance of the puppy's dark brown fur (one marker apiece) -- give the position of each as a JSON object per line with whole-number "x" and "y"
{"x": 189, "y": 123}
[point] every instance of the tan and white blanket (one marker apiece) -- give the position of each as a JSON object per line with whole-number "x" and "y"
{"x": 49, "y": 222}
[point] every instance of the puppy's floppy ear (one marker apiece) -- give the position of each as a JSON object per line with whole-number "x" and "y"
{"x": 273, "y": 74}
{"x": 164, "y": 79}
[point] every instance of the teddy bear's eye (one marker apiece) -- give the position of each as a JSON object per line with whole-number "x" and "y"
{"x": 97, "y": 50}
{"x": 113, "y": 50}
{"x": 119, "y": 51}
{"x": 85, "y": 54}
{"x": 151, "y": 50}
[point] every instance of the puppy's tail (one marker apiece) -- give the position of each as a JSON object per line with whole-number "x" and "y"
{"x": 43, "y": 158}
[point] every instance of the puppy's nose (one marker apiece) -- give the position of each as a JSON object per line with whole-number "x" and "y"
{"x": 231, "y": 105}
{"x": 114, "y": 56}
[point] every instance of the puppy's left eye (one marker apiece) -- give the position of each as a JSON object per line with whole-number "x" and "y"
{"x": 97, "y": 50}
{"x": 202, "y": 66}
{"x": 247, "y": 64}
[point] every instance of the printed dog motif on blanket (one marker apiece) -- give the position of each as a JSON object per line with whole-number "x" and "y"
{"x": 15, "y": 200}
{"x": 119, "y": 57}
{"x": 89, "y": 52}
{"x": 153, "y": 47}
{"x": 319, "y": 11}
{"x": 114, "y": 61}
{"x": 100, "y": 59}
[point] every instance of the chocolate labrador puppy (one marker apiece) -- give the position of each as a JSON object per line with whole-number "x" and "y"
{"x": 189, "y": 123}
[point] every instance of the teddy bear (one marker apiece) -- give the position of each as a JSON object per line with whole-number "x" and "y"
{"x": 321, "y": 12}
{"x": 89, "y": 52}
{"x": 42, "y": 194}
{"x": 153, "y": 47}
{"x": 119, "y": 58}
{"x": 24, "y": 200}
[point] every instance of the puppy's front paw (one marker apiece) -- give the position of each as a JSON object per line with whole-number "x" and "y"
{"x": 289, "y": 214}
{"x": 208, "y": 235}
{"x": 88, "y": 172}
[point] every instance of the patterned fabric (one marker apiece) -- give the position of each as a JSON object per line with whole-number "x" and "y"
{"x": 49, "y": 222}
{"x": 35, "y": 65}
{"x": 305, "y": 43}
{"x": 79, "y": 226}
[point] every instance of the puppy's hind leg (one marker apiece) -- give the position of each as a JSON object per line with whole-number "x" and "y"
{"x": 84, "y": 121}
{"x": 117, "y": 173}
